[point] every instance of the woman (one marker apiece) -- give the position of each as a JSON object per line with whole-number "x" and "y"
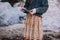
{"x": 33, "y": 29}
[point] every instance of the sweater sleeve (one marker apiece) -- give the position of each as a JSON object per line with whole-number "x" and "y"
{"x": 26, "y": 4}
{"x": 43, "y": 8}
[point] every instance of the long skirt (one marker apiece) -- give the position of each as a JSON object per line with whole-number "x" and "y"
{"x": 33, "y": 28}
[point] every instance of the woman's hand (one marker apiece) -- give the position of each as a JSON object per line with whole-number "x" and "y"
{"x": 22, "y": 8}
{"x": 33, "y": 11}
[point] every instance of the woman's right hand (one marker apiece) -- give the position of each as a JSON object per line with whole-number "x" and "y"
{"x": 22, "y": 8}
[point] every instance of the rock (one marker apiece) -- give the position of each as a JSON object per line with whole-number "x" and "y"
{"x": 10, "y": 15}
{"x": 11, "y": 31}
{"x": 12, "y": 2}
{"x": 19, "y": 4}
{"x": 51, "y": 19}
{"x": 4, "y": 6}
{"x": 51, "y": 35}
{"x": 0, "y": 0}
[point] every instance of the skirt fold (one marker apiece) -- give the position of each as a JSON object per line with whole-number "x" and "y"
{"x": 33, "y": 28}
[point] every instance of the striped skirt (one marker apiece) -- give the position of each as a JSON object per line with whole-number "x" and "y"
{"x": 33, "y": 28}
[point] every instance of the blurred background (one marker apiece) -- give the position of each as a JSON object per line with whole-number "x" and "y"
{"x": 12, "y": 20}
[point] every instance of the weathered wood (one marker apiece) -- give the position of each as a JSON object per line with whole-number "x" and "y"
{"x": 33, "y": 29}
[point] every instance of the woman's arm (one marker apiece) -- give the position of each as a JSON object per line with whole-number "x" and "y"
{"x": 26, "y": 4}
{"x": 43, "y": 7}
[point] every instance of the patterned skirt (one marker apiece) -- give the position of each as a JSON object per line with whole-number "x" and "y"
{"x": 33, "y": 28}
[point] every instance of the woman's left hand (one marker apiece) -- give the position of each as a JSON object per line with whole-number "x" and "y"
{"x": 33, "y": 11}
